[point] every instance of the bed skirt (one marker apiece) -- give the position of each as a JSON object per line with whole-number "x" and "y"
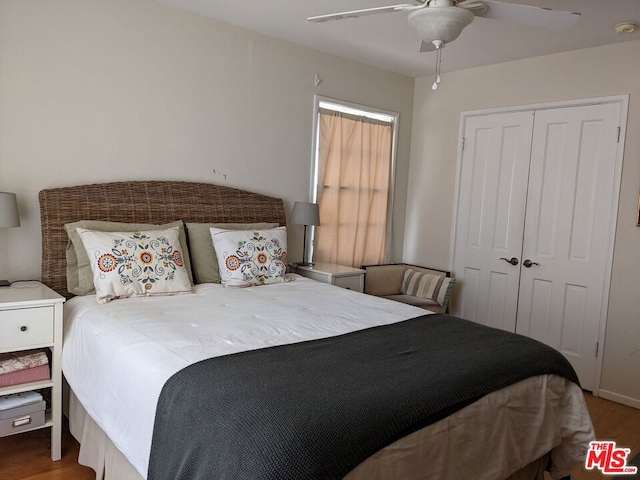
{"x": 480, "y": 436}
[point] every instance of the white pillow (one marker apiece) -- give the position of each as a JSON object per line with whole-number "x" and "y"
{"x": 132, "y": 264}
{"x": 251, "y": 257}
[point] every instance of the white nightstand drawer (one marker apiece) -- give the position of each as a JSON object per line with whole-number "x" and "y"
{"x": 26, "y": 327}
{"x": 350, "y": 283}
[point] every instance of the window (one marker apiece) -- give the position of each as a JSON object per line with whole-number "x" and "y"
{"x": 354, "y": 150}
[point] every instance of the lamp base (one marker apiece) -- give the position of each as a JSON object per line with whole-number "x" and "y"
{"x": 5, "y": 283}
{"x": 305, "y": 264}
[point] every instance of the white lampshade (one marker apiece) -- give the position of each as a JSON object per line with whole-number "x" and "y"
{"x": 440, "y": 23}
{"x": 9, "y": 216}
{"x": 305, "y": 213}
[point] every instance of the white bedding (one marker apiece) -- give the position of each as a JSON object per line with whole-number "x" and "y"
{"x": 117, "y": 357}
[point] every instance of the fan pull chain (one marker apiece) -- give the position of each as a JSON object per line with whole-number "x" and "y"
{"x": 439, "y": 64}
{"x": 439, "y": 44}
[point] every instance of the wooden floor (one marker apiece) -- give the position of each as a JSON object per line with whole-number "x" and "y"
{"x": 612, "y": 421}
{"x": 26, "y": 456}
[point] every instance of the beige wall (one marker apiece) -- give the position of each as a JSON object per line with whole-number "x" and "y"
{"x": 107, "y": 90}
{"x": 588, "y": 73}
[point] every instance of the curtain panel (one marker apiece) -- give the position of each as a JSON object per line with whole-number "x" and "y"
{"x": 354, "y": 172}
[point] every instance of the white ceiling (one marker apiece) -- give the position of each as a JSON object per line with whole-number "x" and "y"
{"x": 387, "y": 41}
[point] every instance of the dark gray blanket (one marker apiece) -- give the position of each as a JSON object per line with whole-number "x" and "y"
{"x": 316, "y": 409}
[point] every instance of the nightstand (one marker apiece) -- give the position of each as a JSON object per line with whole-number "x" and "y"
{"x": 338, "y": 275}
{"x": 31, "y": 317}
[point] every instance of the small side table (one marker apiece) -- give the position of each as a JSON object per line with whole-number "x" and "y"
{"x": 31, "y": 317}
{"x": 338, "y": 275}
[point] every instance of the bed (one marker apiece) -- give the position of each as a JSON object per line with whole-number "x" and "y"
{"x": 117, "y": 357}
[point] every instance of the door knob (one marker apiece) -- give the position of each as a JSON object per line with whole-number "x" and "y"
{"x": 513, "y": 261}
{"x": 527, "y": 263}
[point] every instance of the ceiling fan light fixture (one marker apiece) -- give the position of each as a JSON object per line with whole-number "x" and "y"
{"x": 440, "y": 23}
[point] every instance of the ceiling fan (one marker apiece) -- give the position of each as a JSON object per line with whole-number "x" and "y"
{"x": 444, "y": 20}
{"x": 439, "y": 22}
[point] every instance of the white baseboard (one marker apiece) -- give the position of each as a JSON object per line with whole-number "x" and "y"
{"x": 615, "y": 397}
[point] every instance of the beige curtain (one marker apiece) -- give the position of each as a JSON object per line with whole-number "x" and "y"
{"x": 354, "y": 171}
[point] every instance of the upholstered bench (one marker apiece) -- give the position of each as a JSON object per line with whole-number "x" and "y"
{"x": 423, "y": 287}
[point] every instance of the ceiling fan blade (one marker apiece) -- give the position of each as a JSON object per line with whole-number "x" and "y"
{"x": 477, "y": 8}
{"x": 359, "y": 13}
{"x": 529, "y": 15}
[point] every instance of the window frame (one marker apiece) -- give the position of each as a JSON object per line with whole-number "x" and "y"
{"x": 354, "y": 109}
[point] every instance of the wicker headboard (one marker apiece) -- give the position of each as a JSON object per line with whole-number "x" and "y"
{"x": 142, "y": 202}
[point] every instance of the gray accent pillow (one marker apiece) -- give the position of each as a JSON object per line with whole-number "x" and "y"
{"x": 79, "y": 274}
{"x": 203, "y": 256}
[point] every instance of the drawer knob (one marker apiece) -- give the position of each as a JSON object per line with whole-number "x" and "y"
{"x": 23, "y": 328}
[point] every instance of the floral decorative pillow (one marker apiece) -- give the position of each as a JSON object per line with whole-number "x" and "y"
{"x": 203, "y": 256}
{"x": 130, "y": 264}
{"x": 251, "y": 257}
{"x": 79, "y": 273}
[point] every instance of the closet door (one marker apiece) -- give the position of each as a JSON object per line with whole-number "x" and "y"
{"x": 490, "y": 217}
{"x": 567, "y": 234}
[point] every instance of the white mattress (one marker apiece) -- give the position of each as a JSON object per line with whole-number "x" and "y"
{"x": 117, "y": 357}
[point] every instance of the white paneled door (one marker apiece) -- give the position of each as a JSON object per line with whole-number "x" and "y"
{"x": 490, "y": 219}
{"x": 568, "y": 230}
{"x": 534, "y": 225}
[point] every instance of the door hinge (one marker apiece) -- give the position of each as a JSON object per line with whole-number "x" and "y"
{"x": 597, "y": 349}
{"x": 618, "y": 141}
{"x": 462, "y": 143}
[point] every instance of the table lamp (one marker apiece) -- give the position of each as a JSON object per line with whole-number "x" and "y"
{"x": 9, "y": 217}
{"x": 305, "y": 213}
